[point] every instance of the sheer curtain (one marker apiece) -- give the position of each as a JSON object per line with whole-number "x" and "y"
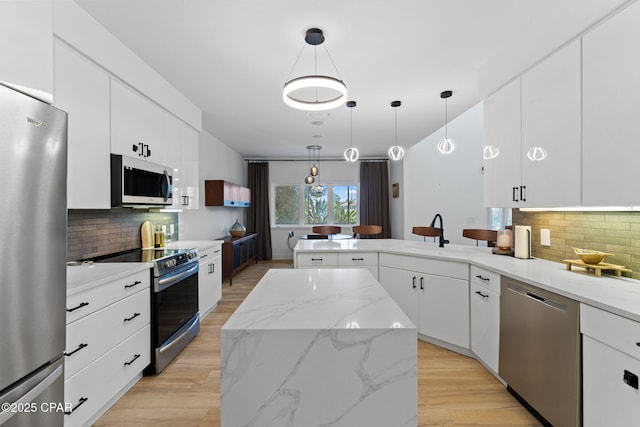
{"x": 374, "y": 195}
{"x": 258, "y": 214}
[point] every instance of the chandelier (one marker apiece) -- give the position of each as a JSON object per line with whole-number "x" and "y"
{"x": 314, "y": 92}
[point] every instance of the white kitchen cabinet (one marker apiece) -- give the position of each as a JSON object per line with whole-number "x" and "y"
{"x": 440, "y": 290}
{"x": 503, "y": 132}
{"x": 365, "y": 260}
{"x": 611, "y": 129}
{"x": 108, "y": 344}
{"x": 182, "y": 155}
{"x": 484, "y": 297}
{"x": 551, "y": 130}
{"x": 317, "y": 260}
{"x": 209, "y": 279}
{"x": 533, "y": 124}
{"x": 137, "y": 125}
{"x": 26, "y": 43}
{"x": 82, "y": 90}
{"x": 611, "y": 367}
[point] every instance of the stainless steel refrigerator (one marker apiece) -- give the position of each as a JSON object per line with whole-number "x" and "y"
{"x": 33, "y": 227}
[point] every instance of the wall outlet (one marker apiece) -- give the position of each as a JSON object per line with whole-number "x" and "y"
{"x": 545, "y": 237}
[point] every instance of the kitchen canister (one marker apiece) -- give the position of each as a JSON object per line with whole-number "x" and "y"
{"x": 522, "y": 241}
{"x": 237, "y": 229}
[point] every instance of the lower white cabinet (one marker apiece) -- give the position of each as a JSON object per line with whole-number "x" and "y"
{"x": 485, "y": 324}
{"x": 326, "y": 259}
{"x": 209, "y": 279}
{"x": 610, "y": 368}
{"x": 107, "y": 345}
{"x": 434, "y": 294}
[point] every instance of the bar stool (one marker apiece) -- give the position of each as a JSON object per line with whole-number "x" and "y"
{"x": 327, "y": 229}
{"x": 366, "y": 230}
{"x": 490, "y": 236}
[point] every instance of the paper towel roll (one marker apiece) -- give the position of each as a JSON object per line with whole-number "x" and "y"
{"x": 522, "y": 241}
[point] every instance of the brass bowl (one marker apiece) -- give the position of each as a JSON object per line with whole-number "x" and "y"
{"x": 237, "y": 233}
{"x": 590, "y": 257}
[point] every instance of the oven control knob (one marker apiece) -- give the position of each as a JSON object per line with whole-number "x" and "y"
{"x": 191, "y": 255}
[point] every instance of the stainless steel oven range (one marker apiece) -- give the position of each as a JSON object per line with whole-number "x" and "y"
{"x": 174, "y": 300}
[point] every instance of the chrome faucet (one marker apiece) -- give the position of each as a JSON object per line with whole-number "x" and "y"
{"x": 441, "y": 239}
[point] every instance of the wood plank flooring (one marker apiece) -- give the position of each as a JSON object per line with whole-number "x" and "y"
{"x": 453, "y": 390}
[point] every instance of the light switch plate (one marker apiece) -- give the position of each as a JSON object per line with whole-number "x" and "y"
{"x": 545, "y": 237}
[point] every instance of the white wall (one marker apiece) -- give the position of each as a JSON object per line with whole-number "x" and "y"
{"x": 216, "y": 161}
{"x": 451, "y": 185}
{"x": 294, "y": 172}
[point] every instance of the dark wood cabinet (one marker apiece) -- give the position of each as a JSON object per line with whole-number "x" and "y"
{"x": 237, "y": 252}
{"x": 224, "y": 193}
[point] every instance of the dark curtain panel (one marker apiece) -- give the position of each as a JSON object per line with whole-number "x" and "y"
{"x": 374, "y": 196}
{"x": 258, "y": 214}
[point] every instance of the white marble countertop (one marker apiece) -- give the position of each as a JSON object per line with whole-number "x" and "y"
{"x": 88, "y": 275}
{"x": 318, "y": 299}
{"x": 200, "y": 245}
{"x": 618, "y": 295}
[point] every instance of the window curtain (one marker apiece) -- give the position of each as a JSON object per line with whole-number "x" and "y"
{"x": 374, "y": 196}
{"x": 258, "y": 220}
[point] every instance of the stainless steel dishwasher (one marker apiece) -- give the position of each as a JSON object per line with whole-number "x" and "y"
{"x": 540, "y": 352}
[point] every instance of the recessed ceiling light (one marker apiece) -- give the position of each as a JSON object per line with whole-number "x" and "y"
{"x": 316, "y": 136}
{"x": 317, "y": 122}
{"x": 314, "y": 115}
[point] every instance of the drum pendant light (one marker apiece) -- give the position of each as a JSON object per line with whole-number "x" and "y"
{"x": 351, "y": 154}
{"x": 396, "y": 152}
{"x": 314, "y": 92}
{"x": 446, "y": 145}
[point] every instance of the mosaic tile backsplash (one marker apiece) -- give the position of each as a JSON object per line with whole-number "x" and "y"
{"x": 98, "y": 232}
{"x": 617, "y": 233}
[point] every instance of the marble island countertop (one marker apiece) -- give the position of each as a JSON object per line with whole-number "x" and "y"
{"x": 319, "y": 299}
{"x": 618, "y": 295}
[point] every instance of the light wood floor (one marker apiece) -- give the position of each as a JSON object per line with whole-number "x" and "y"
{"x": 453, "y": 390}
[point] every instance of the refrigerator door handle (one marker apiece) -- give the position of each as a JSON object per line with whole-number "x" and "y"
{"x": 30, "y": 389}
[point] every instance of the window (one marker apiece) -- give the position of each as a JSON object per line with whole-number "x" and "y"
{"x": 304, "y": 205}
{"x": 500, "y": 218}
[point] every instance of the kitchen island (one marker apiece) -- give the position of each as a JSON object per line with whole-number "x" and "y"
{"x": 318, "y": 347}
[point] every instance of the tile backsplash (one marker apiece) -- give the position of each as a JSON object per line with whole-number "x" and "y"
{"x": 98, "y": 232}
{"x": 617, "y": 233}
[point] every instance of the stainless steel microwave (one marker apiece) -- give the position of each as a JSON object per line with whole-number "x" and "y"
{"x": 136, "y": 182}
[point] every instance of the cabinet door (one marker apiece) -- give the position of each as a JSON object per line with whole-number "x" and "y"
{"x": 136, "y": 124}
{"x": 217, "y": 275}
{"x": 82, "y": 90}
{"x": 26, "y": 43}
{"x": 551, "y": 130}
{"x": 206, "y": 287}
{"x": 502, "y": 133}
{"x": 611, "y": 129}
{"x": 190, "y": 177}
{"x": 607, "y": 399}
{"x": 402, "y": 287}
{"x": 444, "y": 309}
{"x": 485, "y": 324}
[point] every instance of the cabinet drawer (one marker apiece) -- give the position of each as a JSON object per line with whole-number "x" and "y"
{"x": 486, "y": 278}
{"x": 355, "y": 259}
{"x": 317, "y": 259}
{"x": 92, "y": 336}
{"x": 618, "y": 332}
{"x": 207, "y": 254}
{"x": 453, "y": 269}
{"x": 105, "y": 378}
{"x": 91, "y": 300}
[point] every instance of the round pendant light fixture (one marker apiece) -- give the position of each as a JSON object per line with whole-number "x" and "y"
{"x": 314, "y": 169}
{"x": 314, "y": 92}
{"x": 309, "y": 179}
{"x": 490, "y": 152}
{"x": 446, "y": 145}
{"x": 351, "y": 154}
{"x": 396, "y": 152}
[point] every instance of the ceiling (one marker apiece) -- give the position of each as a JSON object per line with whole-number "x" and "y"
{"x": 232, "y": 57}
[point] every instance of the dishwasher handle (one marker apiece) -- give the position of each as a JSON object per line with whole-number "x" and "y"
{"x": 543, "y": 300}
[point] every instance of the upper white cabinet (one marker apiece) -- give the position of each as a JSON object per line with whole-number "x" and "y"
{"x": 136, "y": 125}
{"x": 82, "y": 90}
{"x": 503, "y": 135}
{"x": 611, "y": 84}
{"x": 551, "y": 139}
{"x": 181, "y": 153}
{"x": 26, "y": 43}
{"x": 532, "y": 128}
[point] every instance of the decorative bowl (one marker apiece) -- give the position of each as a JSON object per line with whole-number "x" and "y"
{"x": 590, "y": 257}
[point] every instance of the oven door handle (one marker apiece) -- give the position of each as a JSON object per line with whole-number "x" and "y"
{"x": 163, "y": 284}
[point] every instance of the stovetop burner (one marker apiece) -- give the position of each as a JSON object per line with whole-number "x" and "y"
{"x": 166, "y": 261}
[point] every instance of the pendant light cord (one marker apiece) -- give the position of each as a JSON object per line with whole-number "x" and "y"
{"x": 446, "y": 118}
{"x": 396, "y": 111}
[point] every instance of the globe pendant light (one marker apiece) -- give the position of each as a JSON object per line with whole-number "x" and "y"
{"x": 309, "y": 179}
{"x": 396, "y": 152}
{"x": 446, "y": 145}
{"x": 332, "y": 89}
{"x": 315, "y": 169}
{"x": 351, "y": 154}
